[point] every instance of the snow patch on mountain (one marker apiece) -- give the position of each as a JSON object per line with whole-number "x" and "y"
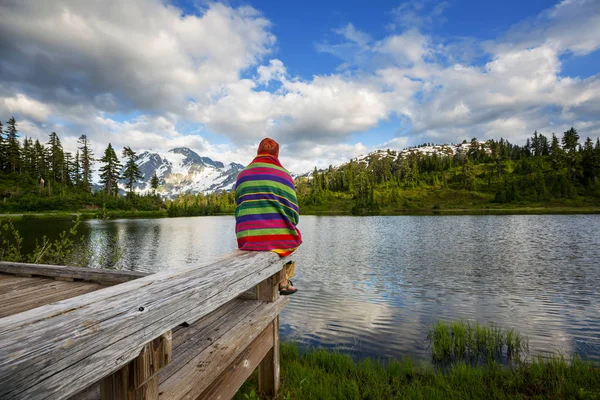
{"x": 181, "y": 171}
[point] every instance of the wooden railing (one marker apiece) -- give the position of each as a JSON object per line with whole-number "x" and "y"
{"x": 57, "y": 350}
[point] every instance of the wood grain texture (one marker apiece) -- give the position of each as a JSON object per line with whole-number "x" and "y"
{"x": 268, "y": 370}
{"x": 104, "y": 276}
{"x": 205, "y": 333}
{"x": 234, "y": 376}
{"x": 46, "y": 295}
{"x": 58, "y": 350}
{"x": 193, "y": 378}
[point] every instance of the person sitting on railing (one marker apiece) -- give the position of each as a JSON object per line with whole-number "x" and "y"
{"x": 267, "y": 212}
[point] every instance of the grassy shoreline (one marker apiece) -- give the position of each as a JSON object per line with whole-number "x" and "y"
{"x": 117, "y": 214}
{"x": 84, "y": 214}
{"x": 325, "y": 374}
{"x": 468, "y": 361}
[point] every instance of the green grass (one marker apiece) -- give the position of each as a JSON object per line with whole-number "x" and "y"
{"x": 325, "y": 374}
{"x": 85, "y": 214}
{"x": 474, "y": 343}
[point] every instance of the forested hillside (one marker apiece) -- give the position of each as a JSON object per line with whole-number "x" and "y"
{"x": 553, "y": 173}
{"x": 546, "y": 172}
{"x": 38, "y": 176}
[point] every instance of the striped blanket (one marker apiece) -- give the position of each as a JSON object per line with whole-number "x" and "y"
{"x": 266, "y": 212}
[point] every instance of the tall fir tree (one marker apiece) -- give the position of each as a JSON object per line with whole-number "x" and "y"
{"x": 588, "y": 162}
{"x": 109, "y": 172}
{"x": 132, "y": 173}
{"x": 556, "y": 154}
{"x": 56, "y": 158}
{"x": 86, "y": 161}
{"x": 3, "y": 155}
{"x": 67, "y": 172}
{"x": 28, "y": 157}
{"x": 39, "y": 161}
{"x": 13, "y": 148}
{"x": 76, "y": 172}
{"x": 154, "y": 183}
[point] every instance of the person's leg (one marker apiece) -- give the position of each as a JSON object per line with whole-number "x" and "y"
{"x": 286, "y": 286}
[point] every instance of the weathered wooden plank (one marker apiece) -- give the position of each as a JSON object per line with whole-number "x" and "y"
{"x": 15, "y": 283}
{"x": 192, "y": 379}
{"x": 184, "y": 335}
{"x": 40, "y": 285}
{"x": 138, "y": 380}
{"x": 268, "y": 370}
{"x": 206, "y": 333}
{"x": 56, "y": 271}
{"x": 229, "y": 382}
{"x": 51, "y": 295}
{"x": 62, "y": 348}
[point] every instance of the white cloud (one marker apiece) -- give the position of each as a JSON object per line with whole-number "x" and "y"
{"x": 22, "y": 105}
{"x": 354, "y": 35}
{"x": 274, "y": 71}
{"x": 133, "y": 73}
{"x": 139, "y": 54}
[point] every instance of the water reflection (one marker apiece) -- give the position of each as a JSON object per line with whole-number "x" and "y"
{"x": 374, "y": 285}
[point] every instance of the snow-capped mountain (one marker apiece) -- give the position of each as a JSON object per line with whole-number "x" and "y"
{"x": 441, "y": 150}
{"x": 425, "y": 150}
{"x": 182, "y": 171}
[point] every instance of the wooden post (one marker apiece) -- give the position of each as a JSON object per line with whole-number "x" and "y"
{"x": 138, "y": 380}
{"x": 268, "y": 369}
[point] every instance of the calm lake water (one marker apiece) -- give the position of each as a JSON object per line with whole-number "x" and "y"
{"x": 373, "y": 286}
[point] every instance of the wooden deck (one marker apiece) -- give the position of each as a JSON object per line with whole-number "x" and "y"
{"x": 194, "y": 333}
{"x": 18, "y": 294}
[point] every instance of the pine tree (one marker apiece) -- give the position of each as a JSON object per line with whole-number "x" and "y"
{"x": 3, "y": 155}
{"x": 39, "y": 161}
{"x": 570, "y": 142}
{"x": 154, "y": 183}
{"x": 68, "y": 167}
{"x": 76, "y": 171}
{"x": 132, "y": 173}
{"x": 556, "y": 154}
{"x": 86, "y": 161}
{"x": 109, "y": 172}
{"x": 13, "y": 148}
{"x": 56, "y": 157}
{"x": 588, "y": 162}
{"x": 28, "y": 158}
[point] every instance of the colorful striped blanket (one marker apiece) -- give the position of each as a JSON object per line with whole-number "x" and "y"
{"x": 266, "y": 212}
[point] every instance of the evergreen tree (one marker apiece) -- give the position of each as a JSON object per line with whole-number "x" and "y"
{"x": 3, "y": 155}
{"x": 556, "y": 154}
{"x": 86, "y": 161}
{"x": 468, "y": 175}
{"x": 13, "y": 148}
{"x": 28, "y": 158}
{"x": 56, "y": 157}
{"x": 570, "y": 142}
{"x": 132, "y": 173}
{"x": 588, "y": 162}
{"x": 68, "y": 167}
{"x": 109, "y": 172}
{"x": 154, "y": 183}
{"x": 76, "y": 171}
{"x": 39, "y": 156}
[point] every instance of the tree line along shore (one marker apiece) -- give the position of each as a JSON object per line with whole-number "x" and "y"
{"x": 546, "y": 175}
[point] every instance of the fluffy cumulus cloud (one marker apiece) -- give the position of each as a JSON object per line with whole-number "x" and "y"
{"x": 141, "y": 73}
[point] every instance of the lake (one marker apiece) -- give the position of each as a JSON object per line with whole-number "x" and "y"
{"x": 373, "y": 286}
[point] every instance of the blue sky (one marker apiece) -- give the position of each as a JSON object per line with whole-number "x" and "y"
{"x": 329, "y": 80}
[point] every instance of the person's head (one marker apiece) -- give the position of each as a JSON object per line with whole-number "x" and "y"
{"x": 268, "y": 146}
